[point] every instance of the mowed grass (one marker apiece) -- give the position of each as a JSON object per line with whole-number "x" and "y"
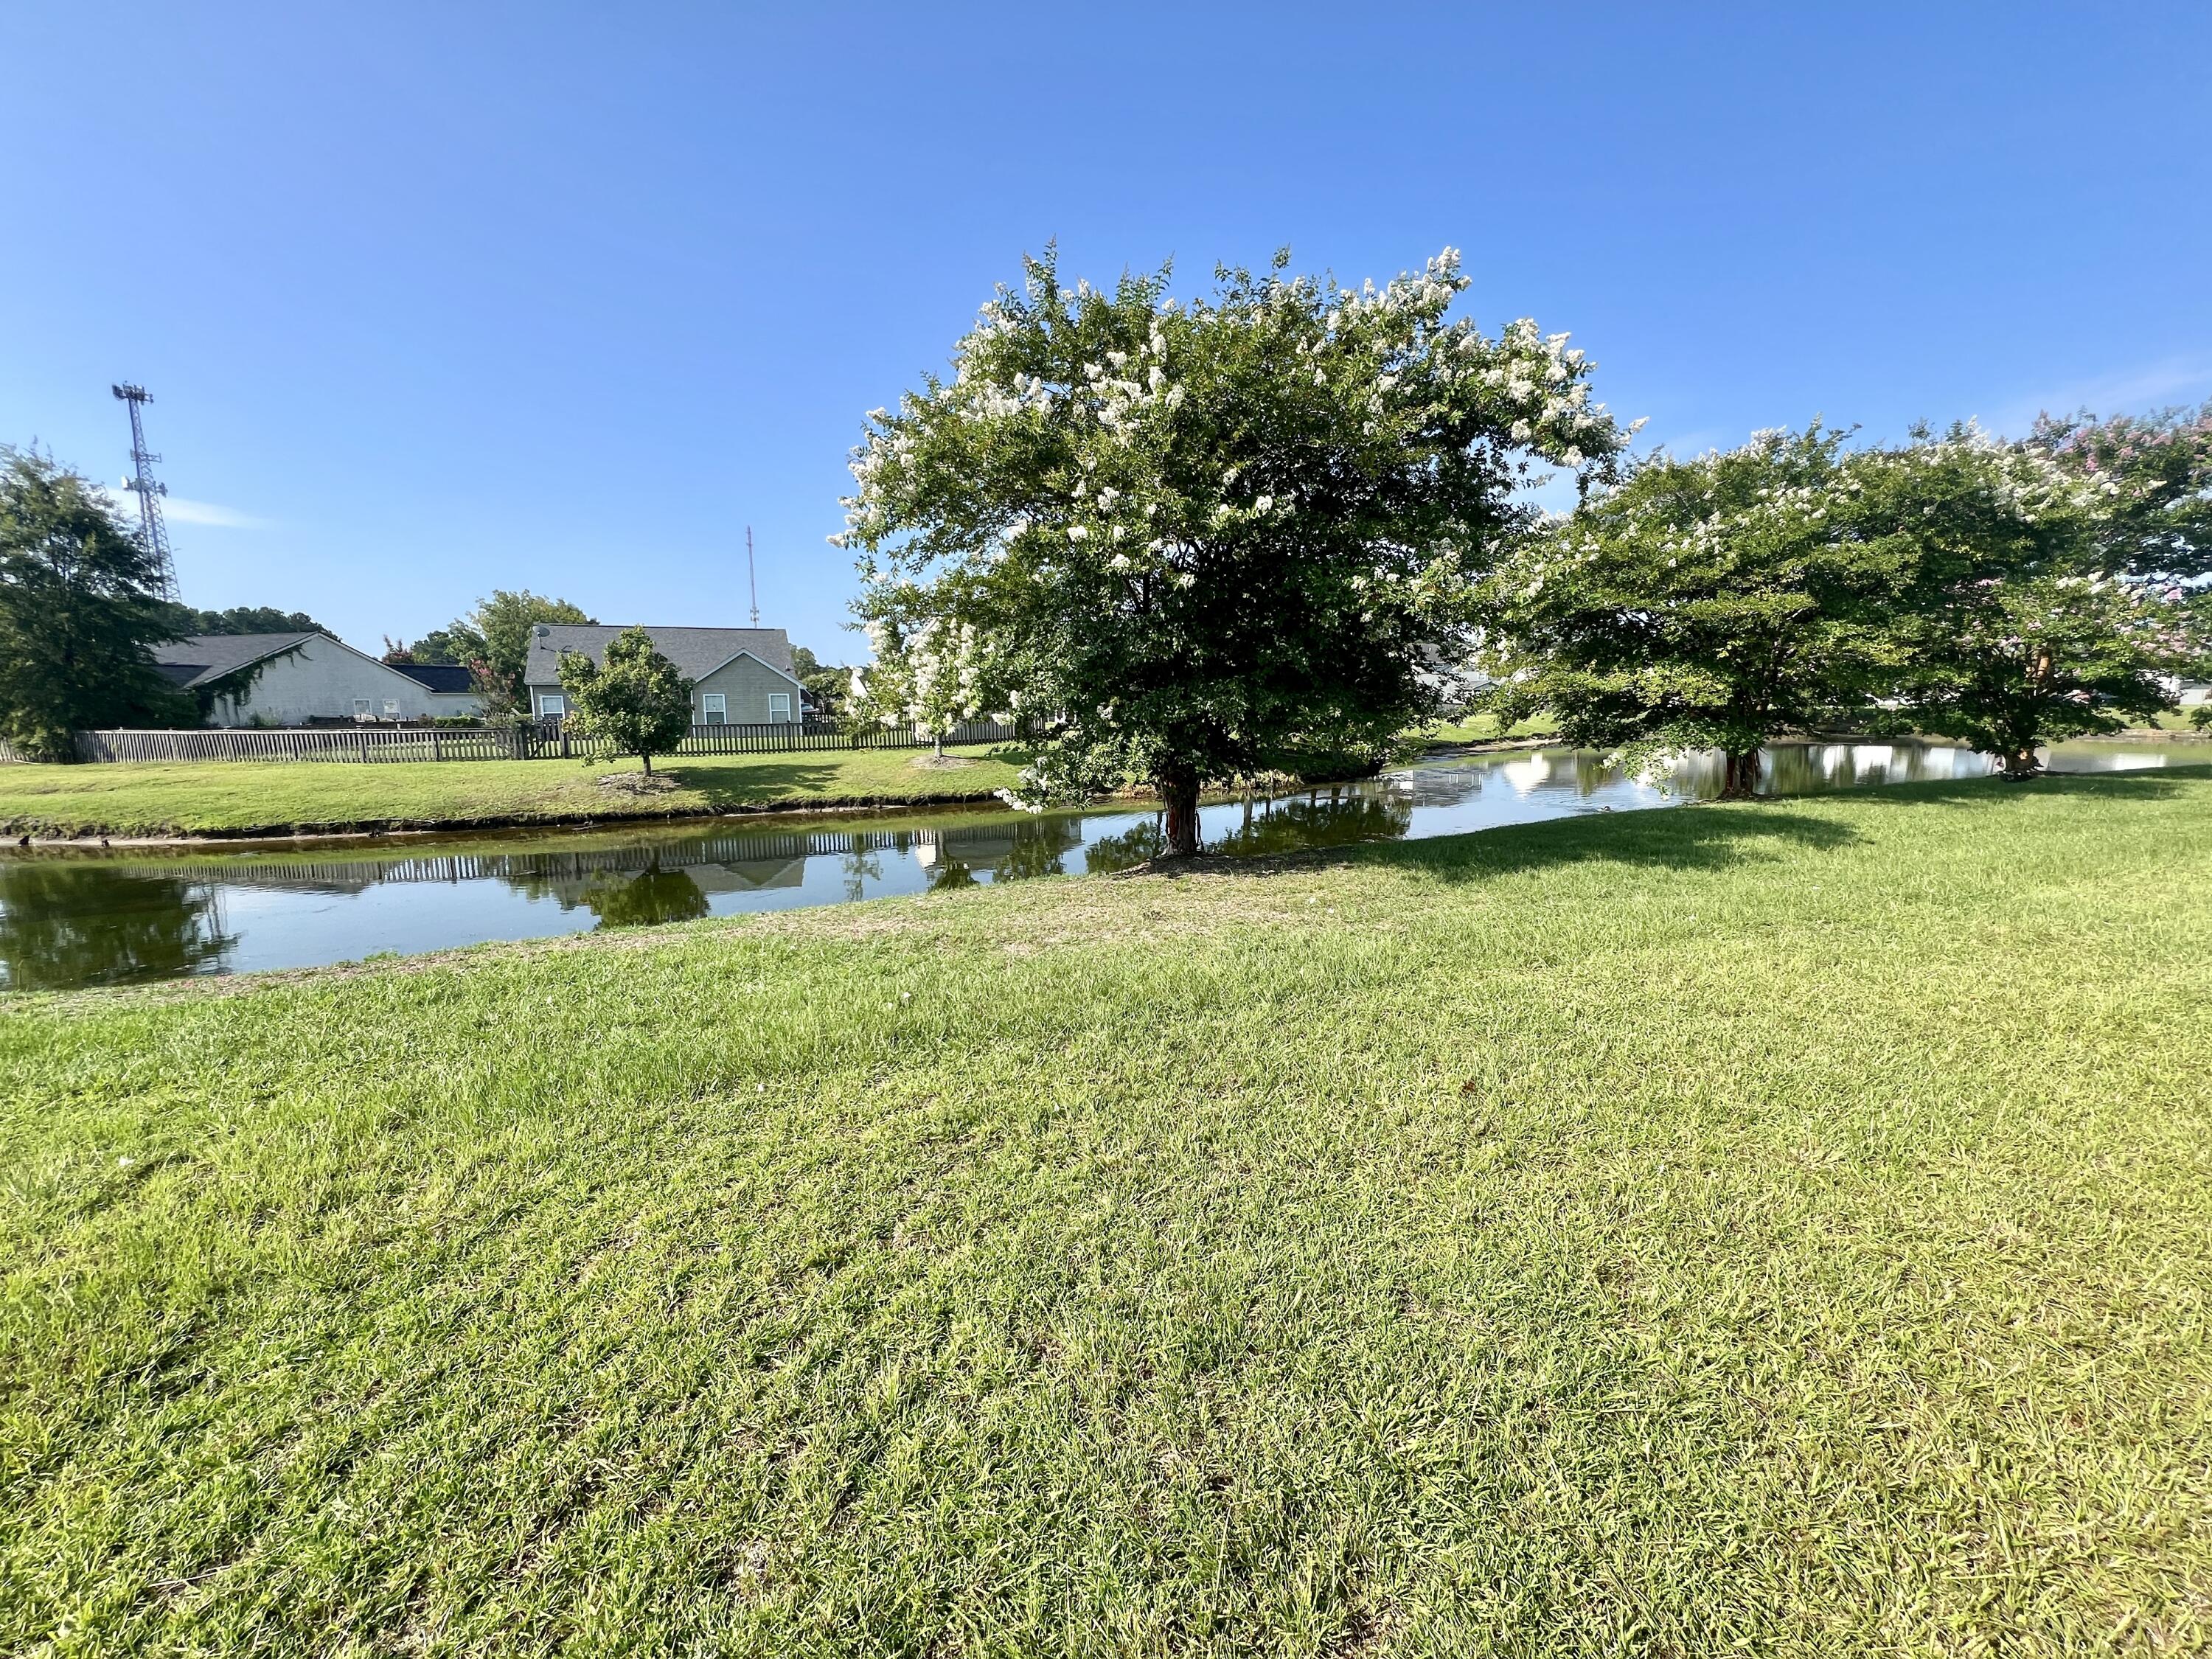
{"x": 1485, "y": 729}
{"x": 1775, "y": 1228}
{"x": 258, "y": 797}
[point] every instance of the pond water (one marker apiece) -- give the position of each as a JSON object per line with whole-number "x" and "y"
{"x": 70, "y": 918}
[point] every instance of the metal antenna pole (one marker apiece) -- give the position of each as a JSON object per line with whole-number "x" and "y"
{"x": 153, "y": 534}
{"x": 753, "y": 587}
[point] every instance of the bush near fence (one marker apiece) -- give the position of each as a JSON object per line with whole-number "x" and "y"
{"x": 528, "y": 740}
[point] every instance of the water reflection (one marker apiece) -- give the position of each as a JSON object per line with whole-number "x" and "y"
{"x": 65, "y": 924}
{"x": 652, "y": 895}
{"x": 71, "y": 919}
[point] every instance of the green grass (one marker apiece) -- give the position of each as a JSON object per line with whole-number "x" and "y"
{"x": 1483, "y": 728}
{"x": 1777, "y": 1228}
{"x": 248, "y": 796}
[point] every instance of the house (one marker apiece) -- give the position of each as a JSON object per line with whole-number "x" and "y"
{"x": 293, "y": 680}
{"x": 739, "y": 676}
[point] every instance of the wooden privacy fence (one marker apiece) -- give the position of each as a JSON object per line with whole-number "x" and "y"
{"x": 528, "y": 740}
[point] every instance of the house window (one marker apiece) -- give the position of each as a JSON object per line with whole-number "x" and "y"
{"x": 392, "y": 707}
{"x": 714, "y": 708}
{"x": 361, "y": 708}
{"x": 779, "y": 706}
{"x": 552, "y": 708}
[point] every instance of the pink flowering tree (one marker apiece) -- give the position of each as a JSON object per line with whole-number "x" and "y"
{"x": 1197, "y": 541}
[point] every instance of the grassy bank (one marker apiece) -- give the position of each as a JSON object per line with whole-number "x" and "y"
{"x": 1785, "y": 1228}
{"x": 262, "y": 797}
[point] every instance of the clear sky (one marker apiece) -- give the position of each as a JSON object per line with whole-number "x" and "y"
{"x": 434, "y": 298}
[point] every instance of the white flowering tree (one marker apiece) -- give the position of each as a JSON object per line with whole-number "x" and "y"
{"x": 2045, "y": 602}
{"x": 2009, "y": 595}
{"x": 1197, "y": 541}
{"x": 929, "y": 673}
{"x": 1705, "y": 604}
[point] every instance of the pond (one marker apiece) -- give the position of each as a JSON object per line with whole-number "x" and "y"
{"x": 70, "y": 918}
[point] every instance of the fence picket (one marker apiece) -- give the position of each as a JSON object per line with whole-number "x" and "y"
{"x": 368, "y": 744}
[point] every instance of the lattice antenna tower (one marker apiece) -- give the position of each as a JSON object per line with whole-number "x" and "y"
{"x": 751, "y": 586}
{"x": 153, "y": 534}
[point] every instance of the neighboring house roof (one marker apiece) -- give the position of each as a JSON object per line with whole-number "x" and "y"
{"x": 193, "y": 662}
{"x": 435, "y": 675}
{"x": 696, "y": 651}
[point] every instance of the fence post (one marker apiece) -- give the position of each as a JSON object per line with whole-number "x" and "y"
{"x": 564, "y": 740}
{"x": 437, "y": 749}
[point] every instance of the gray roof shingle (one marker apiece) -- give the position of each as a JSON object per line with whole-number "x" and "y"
{"x": 204, "y": 657}
{"x": 696, "y": 651}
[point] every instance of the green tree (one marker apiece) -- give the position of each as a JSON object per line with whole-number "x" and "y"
{"x": 2157, "y": 517}
{"x": 637, "y": 700}
{"x": 492, "y": 641}
{"x": 78, "y": 613}
{"x": 2038, "y": 609}
{"x": 1704, "y": 603}
{"x": 245, "y": 619}
{"x": 1200, "y": 540}
{"x": 827, "y": 684}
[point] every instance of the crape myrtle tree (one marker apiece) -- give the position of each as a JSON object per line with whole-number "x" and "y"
{"x": 1709, "y": 603}
{"x": 2048, "y": 599}
{"x": 1194, "y": 541}
{"x": 638, "y": 700}
{"x": 2157, "y": 520}
{"x": 930, "y": 674}
{"x": 79, "y": 613}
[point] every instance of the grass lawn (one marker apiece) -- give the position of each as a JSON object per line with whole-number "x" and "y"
{"x": 1777, "y": 1228}
{"x": 1483, "y": 728}
{"x": 238, "y": 797}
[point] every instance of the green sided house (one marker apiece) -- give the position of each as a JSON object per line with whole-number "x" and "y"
{"x": 739, "y": 676}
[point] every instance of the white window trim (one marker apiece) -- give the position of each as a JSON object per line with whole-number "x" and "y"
{"x": 550, "y": 703}
{"x": 779, "y": 715}
{"x": 714, "y": 708}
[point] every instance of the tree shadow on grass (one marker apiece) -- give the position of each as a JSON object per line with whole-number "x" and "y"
{"x": 802, "y": 774}
{"x": 1709, "y": 836}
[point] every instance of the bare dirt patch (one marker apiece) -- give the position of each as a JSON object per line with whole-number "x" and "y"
{"x": 638, "y": 783}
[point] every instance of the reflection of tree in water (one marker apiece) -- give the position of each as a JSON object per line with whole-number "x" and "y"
{"x": 949, "y": 875}
{"x": 1127, "y": 850}
{"x": 68, "y": 924}
{"x": 860, "y": 868}
{"x": 1286, "y": 826}
{"x": 651, "y": 895}
{"x": 1037, "y": 850}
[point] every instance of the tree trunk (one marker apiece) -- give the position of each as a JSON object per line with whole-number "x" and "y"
{"x": 1179, "y": 794}
{"x": 1740, "y": 776}
{"x": 2021, "y": 762}
{"x": 648, "y": 759}
{"x": 938, "y": 739}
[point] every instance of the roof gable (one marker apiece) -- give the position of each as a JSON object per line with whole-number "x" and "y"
{"x": 201, "y": 657}
{"x": 696, "y": 651}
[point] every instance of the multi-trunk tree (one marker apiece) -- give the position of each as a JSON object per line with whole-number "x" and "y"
{"x": 2036, "y": 610}
{"x": 1703, "y": 603}
{"x": 2006, "y": 594}
{"x": 1200, "y": 540}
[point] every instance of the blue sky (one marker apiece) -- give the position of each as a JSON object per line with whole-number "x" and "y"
{"x": 437, "y": 298}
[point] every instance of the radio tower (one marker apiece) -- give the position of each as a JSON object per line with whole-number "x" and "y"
{"x": 153, "y": 534}
{"x": 751, "y": 586}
